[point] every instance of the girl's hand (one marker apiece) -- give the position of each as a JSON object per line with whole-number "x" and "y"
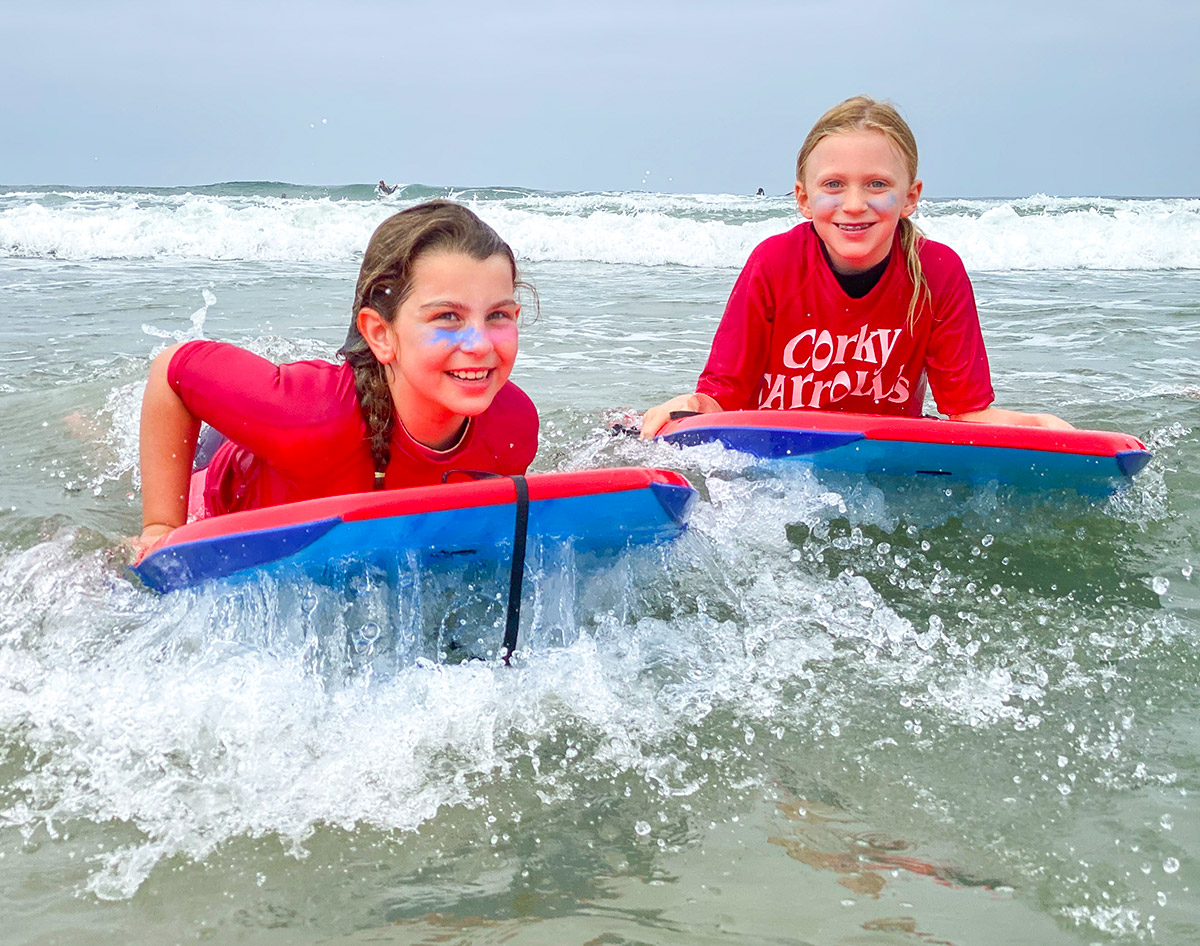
{"x": 152, "y": 536}
{"x": 655, "y": 418}
{"x": 997, "y": 415}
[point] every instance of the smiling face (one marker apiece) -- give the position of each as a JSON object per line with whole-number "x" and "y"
{"x": 452, "y": 343}
{"x": 856, "y": 189}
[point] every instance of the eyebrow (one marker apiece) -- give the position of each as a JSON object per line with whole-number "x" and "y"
{"x": 451, "y": 304}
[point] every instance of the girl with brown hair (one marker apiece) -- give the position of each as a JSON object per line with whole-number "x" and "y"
{"x": 423, "y": 388}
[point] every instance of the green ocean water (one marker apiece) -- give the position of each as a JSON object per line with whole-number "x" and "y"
{"x": 836, "y": 711}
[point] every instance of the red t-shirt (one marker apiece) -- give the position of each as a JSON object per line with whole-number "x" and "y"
{"x": 791, "y": 337}
{"x": 296, "y": 431}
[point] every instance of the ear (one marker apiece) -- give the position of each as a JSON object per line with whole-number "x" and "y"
{"x": 802, "y": 201}
{"x": 911, "y": 198}
{"x": 378, "y": 335}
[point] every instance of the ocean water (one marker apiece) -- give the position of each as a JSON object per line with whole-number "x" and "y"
{"x": 836, "y": 711}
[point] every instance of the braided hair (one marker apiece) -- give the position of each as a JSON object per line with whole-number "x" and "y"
{"x": 385, "y": 281}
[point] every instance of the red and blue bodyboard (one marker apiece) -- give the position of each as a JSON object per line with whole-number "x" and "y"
{"x": 1088, "y": 461}
{"x": 595, "y": 510}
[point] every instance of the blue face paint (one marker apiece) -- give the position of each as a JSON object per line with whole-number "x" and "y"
{"x": 827, "y": 203}
{"x": 465, "y": 338}
{"x": 884, "y": 205}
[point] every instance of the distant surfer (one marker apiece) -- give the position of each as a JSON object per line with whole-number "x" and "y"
{"x": 384, "y": 190}
{"x": 761, "y": 193}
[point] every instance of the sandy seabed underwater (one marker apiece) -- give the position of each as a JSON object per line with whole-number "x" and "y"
{"x": 836, "y": 711}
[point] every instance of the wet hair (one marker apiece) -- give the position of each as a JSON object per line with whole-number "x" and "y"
{"x": 386, "y": 280}
{"x": 862, "y": 113}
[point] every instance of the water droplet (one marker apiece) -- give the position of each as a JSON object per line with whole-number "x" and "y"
{"x": 1171, "y": 865}
{"x": 1159, "y": 584}
{"x": 1162, "y": 899}
{"x": 642, "y": 828}
{"x": 369, "y": 631}
{"x": 987, "y": 540}
{"x": 1167, "y": 823}
{"x": 1186, "y": 571}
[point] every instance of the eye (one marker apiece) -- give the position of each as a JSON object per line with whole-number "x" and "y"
{"x": 448, "y": 318}
{"x": 880, "y": 185}
{"x": 832, "y": 185}
{"x": 501, "y": 315}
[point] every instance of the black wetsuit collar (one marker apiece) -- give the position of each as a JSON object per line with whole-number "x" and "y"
{"x": 856, "y": 285}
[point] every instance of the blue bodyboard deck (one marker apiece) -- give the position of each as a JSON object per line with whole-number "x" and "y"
{"x": 1088, "y": 461}
{"x": 594, "y": 510}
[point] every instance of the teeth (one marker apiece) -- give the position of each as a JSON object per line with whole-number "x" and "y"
{"x": 469, "y": 375}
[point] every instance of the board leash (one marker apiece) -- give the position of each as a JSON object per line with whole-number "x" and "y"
{"x": 516, "y": 575}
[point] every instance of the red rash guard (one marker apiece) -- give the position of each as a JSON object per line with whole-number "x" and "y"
{"x": 791, "y": 337}
{"x": 296, "y": 431}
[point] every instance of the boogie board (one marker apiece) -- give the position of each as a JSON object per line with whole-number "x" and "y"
{"x": 596, "y": 510}
{"x": 1088, "y": 461}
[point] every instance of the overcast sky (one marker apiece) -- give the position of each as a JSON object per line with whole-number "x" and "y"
{"x": 1007, "y": 98}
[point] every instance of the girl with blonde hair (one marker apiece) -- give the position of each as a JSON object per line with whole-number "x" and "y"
{"x": 853, "y": 309}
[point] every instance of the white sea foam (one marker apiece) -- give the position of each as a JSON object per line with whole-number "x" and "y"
{"x": 199, "y": 718}
{"x": 698, "y": 230}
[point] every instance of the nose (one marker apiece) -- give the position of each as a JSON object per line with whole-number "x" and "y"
{"x": 854, "y": 200}
{"x": 475, "y": 340}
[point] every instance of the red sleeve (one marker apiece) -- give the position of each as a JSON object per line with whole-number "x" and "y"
{"x": 955, "y": 359}
{"x": 743, "y": 340}
{"x": 283, "y": 414}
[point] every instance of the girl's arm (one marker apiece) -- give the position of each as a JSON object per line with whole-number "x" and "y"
{"x": 739, "y": 348}
{"x": 956, "y": 360}
{"x": 167, "y": 447}
{"x": 998, "y": 415}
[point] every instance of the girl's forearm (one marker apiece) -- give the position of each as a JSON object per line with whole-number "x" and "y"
{"x": 166, "y": 449}
{"x": 998, "y": 415}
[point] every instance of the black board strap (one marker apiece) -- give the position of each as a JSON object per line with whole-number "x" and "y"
{"x": 516, "y": 576}
{"x": 626, "y": 430}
